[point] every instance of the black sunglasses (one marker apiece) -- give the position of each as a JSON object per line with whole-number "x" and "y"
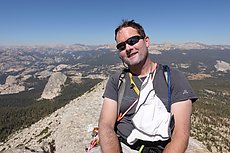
{"x": 131, "y": 41}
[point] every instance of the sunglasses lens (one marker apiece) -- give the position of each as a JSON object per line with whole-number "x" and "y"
{"x": 121, "y": 46}
{"x": 133, "y": 40}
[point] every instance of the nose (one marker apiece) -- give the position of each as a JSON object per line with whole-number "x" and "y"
{"x": 128, "y": 47}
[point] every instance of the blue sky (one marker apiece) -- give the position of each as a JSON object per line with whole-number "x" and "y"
{"x": 92, "y": 22}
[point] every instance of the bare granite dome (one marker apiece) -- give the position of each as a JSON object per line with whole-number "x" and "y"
{"x": 53, "y": 87}
{"x": 12, "y": 85}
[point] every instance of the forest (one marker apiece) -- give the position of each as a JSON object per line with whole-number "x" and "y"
{"x": 210, "y": 118}
{"x": 20, "y": 110}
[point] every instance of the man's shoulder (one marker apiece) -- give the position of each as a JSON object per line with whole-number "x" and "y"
{"x": 173, "y": 70}
{"x": 119, "y": 73}
{"x": 116, "y": 76}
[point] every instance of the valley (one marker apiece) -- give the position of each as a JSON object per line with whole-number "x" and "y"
{"x": 26, "y": 70}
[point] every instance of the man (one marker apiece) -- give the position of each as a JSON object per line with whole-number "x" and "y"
{"x": 119, "y": 136}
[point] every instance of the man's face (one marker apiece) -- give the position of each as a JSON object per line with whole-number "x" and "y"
{"x": 135, "y": 53}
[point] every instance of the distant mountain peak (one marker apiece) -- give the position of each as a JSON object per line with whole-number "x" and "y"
{"x": 186, "y": 46}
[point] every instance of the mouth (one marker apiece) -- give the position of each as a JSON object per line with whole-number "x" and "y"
{"x": 132, "y": 54}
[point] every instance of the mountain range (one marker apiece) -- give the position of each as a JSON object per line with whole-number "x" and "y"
{"x": 28, "y": 70}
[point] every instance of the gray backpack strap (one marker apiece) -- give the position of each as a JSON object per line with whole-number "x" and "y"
{"x": 166, "y": 71}
{"x": 121, "y": 89}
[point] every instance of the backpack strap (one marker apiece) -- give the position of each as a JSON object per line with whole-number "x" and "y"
{"x": 166, "y": 71}
{"x": 133, "y": 84}
{"x": 121, "y": 88}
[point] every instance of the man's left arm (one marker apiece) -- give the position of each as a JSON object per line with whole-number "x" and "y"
{"x": 182, "y": 114}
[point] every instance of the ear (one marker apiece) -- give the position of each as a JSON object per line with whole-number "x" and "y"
{"x": 147, "y": 41}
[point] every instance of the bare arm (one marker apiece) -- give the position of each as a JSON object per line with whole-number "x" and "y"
{"x": 108, "y": 138}
{"x": 182, "y": 113}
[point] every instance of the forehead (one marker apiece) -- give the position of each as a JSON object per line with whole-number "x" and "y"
{"x": 125, "y": 33}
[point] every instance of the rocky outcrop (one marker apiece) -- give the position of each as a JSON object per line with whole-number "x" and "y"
{"x": 68, "y": 130}
{"x": 53, "y": 87}
{"x": 222, "y": 66}
{"x": 13, "y": 84}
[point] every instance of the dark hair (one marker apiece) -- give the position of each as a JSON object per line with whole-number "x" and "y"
{"x": 133, "y": 24}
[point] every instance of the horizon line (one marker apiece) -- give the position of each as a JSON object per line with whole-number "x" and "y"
{"x": 84, "y": 44}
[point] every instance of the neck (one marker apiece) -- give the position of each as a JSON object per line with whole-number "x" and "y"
{"x": 142, "y": 69}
